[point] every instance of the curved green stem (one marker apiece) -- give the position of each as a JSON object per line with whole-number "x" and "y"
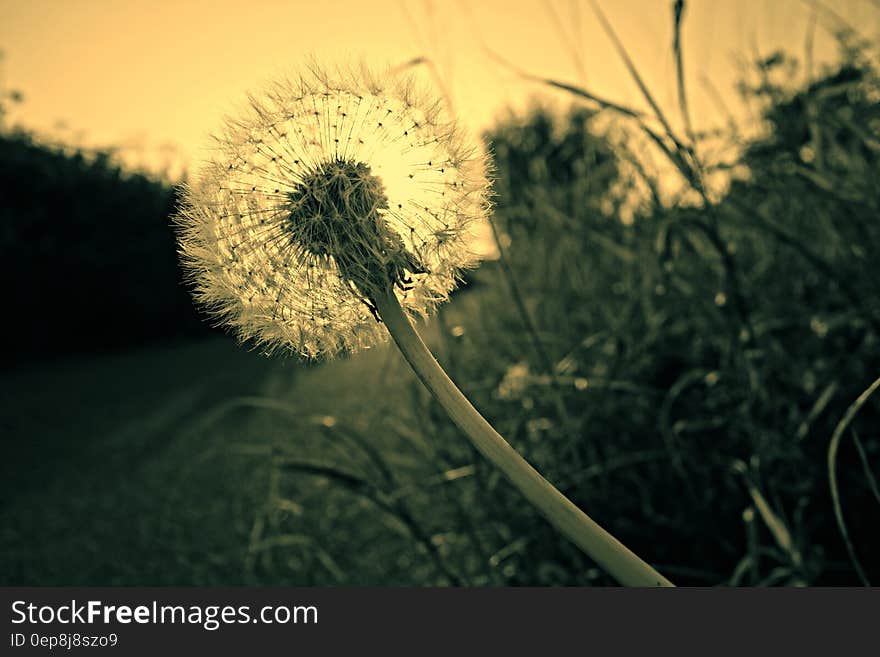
{"x": 602, "y": 547}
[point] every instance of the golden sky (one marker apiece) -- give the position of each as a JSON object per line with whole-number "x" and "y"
{"x": 156, "y": 76}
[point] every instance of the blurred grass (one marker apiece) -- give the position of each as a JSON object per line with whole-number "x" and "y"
{"x": 103, "y": 480}
{"x": 160, "y": 467}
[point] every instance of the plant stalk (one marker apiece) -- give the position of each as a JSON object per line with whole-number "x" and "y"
{"x": 614, "y": 557}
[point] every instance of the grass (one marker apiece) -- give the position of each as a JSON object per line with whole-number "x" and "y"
{"x": 108, "y": 484}
{"x": 161, "y": 466}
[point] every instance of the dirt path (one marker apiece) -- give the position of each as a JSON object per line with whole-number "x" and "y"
{"x": 98, "y": 483}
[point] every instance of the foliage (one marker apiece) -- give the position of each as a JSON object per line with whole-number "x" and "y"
{"x": 87, "y": 252}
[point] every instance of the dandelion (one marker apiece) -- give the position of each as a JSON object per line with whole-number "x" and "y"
{"x": 324, "y": 191}
{"x": 336, "y": 209}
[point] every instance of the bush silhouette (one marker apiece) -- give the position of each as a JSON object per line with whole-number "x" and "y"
{"x": 88, "y": 253}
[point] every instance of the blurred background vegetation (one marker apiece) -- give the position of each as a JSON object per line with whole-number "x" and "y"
{"x": 677, "y": 360}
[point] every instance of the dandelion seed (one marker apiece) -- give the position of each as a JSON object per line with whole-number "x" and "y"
{"x": 327, "y": 190}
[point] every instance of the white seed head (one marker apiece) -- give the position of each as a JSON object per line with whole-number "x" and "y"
{"x": 328, "y": 190}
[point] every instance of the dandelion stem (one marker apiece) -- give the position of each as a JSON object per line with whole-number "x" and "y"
{"x": 602, "y": 547}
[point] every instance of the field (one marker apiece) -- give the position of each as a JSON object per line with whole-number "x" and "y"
{"x": 688, "y": 353}
{"x": 160, "y": 467}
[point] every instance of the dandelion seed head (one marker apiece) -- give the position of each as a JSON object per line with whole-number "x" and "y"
{"x": 327, "y": 190}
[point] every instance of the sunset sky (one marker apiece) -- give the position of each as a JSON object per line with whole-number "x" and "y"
{"x": 156, "y": 77}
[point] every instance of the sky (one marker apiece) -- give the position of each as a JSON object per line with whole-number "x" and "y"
{"x": 156, "y": 78}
